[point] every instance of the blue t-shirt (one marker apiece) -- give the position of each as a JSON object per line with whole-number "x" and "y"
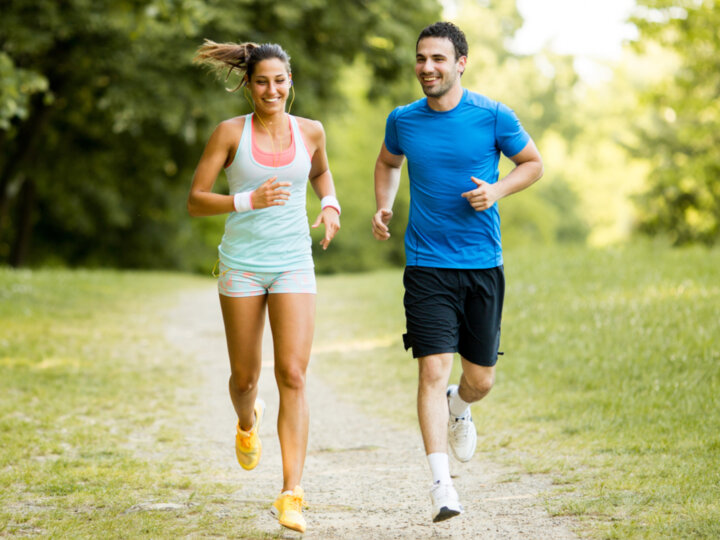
{"x": 444, "y": 149}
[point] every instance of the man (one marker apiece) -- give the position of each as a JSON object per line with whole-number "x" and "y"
{"x": 454, "y": 280}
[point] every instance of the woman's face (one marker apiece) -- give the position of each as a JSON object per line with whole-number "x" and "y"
{"x": 270, "y": 85}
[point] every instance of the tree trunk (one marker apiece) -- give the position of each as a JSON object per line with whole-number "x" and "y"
{"x": 22, "y": 147}
{"x": 26, "y": 208}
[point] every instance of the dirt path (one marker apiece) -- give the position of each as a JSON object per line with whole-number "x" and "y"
{"x": 363, "y": 479}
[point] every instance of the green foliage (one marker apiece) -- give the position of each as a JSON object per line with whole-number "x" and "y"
{"x": 15, "y": 90}
{"x": 103, "y": 116}
{"x": 546, "y": 214}
{"x": 681, "y": 137}
{"x": 354, "y": 136}
{"x": 610, "y": 382}
{"x": 541, "y": 90}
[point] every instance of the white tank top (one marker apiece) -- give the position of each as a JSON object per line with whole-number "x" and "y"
{"x": 276, "y": 238}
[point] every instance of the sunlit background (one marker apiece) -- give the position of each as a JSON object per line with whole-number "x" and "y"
{"x": 609, "y": 388}
{"x": 103, "y": 117}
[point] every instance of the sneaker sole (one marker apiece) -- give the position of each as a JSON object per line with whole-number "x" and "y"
{"x": 458, "y": 458}
{"x": 252, "y": 466}
{"x": 446, "y": 513}
{"x": 276, "y": 514}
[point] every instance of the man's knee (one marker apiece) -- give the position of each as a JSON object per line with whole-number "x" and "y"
{"x": 435, "y": 369}
{"x": 479, "y": 380}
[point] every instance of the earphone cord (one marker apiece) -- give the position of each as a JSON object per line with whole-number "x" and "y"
{"x": 252, "y": 105}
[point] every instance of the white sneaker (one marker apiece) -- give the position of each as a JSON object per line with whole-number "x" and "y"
{"x": 445, "y": 503}
{"x": 462, "y": 436}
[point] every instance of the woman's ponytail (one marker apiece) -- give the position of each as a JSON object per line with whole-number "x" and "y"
{"x": 221, "y": 56}
{"x": 241, "y": 57}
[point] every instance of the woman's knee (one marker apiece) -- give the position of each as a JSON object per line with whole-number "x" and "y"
{"x": 243, "y": 383}
{"x": 291, "y": 376}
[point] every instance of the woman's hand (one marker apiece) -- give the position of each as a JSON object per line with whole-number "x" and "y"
{"x": 269, "y": 194}
{"x": 331, "y": 219}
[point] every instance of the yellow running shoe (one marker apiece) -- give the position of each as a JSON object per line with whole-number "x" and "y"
{"x": 288, "y": 509}
{"x": 247, "y": 443}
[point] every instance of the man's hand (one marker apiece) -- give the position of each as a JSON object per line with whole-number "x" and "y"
{"x": 483, "y": 197}
{"x": 331, "y": 219}
{"x": 380, "y": 222}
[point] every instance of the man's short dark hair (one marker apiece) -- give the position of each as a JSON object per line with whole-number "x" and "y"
{"x": 449, "y": 31}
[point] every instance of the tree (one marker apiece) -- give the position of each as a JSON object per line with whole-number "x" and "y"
{"x": 103, "y": 115}
{"x": 681, "y": 138}
{"x": 543, "y": 91}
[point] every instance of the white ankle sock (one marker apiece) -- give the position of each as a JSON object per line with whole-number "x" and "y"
{"x": 458, "y": 406}
{"x": 439, "y": 467}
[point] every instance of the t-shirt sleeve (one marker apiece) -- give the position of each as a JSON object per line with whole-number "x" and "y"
{"x": 391, "y": 137}
{"x": 510, "y": 136}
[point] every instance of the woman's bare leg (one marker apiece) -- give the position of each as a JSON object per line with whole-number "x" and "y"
{"x": 244, "y": 319}
{"x": 292, "y": 319}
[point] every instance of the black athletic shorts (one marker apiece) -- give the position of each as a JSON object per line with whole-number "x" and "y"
{"x": 450, "y": 311}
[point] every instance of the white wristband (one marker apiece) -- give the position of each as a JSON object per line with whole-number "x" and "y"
{"x": 331, "y": 201}
{"x": 243, "y": 201}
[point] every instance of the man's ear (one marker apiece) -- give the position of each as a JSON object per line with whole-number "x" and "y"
{"x": 462, "y": 61}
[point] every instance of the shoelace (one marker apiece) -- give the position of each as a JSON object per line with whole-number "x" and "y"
{"x": 294, "y": 502}
{"x": 460, "y": 430}
{"x": 247, "y": 442}
{"x": 444, "y": 491}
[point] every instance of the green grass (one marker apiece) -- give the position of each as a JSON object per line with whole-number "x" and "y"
{"x": 88, "y": 388}
{"x": 610, "y": 383}
{"x": 610, "y": 380}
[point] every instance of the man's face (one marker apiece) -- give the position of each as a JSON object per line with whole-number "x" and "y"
{"x": 436, "y": 67}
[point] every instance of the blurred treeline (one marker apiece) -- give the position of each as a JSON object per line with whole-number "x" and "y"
{"x": 103, "y": 117}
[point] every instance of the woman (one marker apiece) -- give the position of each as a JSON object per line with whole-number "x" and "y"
{"x": 265, "y": 257}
